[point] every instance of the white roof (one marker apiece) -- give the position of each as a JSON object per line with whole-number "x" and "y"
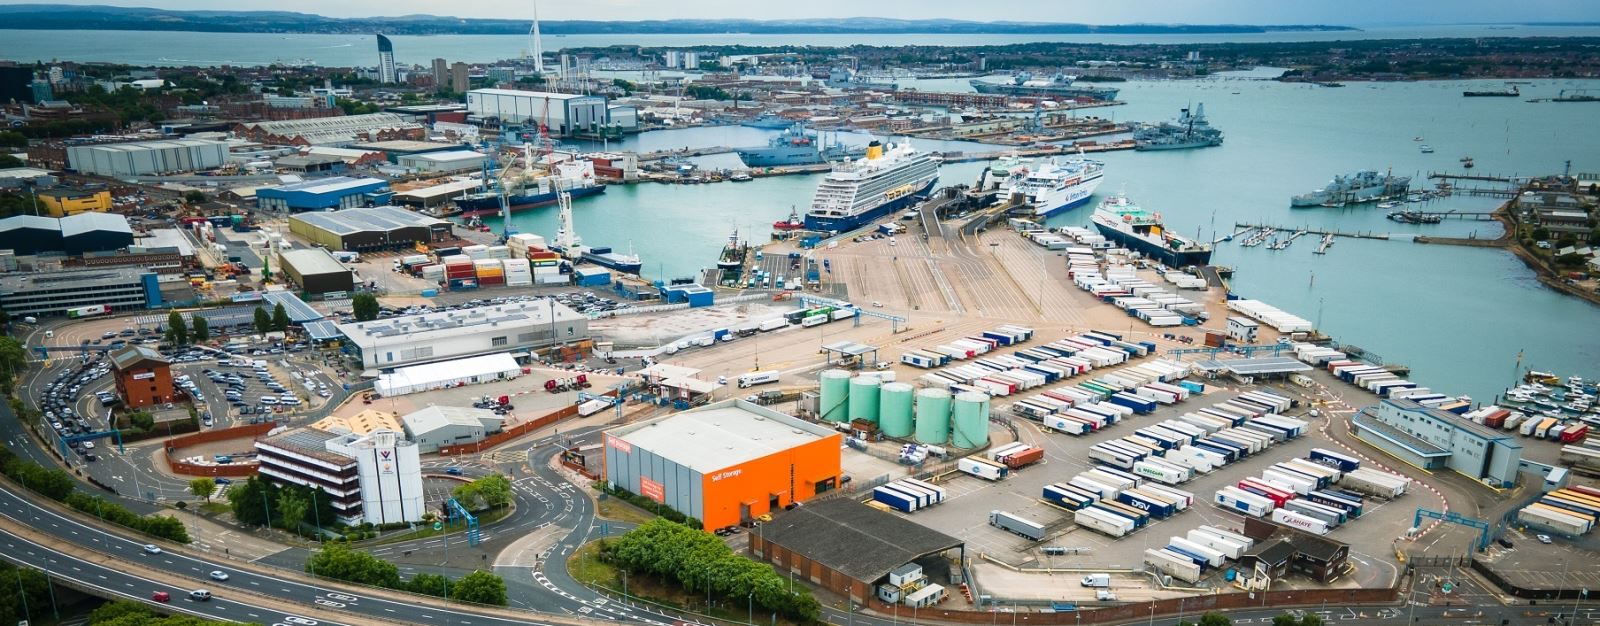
{"x": 422, "y": 376}
{"x": 415, "y": 329}
{"x": 447, "y": 189}
{"x": 529, "y": 94}
{"x": 720, "y": 435}
{"x": 167, "y": 238}
{"x": 449, "y": 155}
{"x": 667, "y": 370}
{"x": 439, "y": 417}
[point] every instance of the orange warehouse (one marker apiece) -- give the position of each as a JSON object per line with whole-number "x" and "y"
{"x": 724, "y": 463}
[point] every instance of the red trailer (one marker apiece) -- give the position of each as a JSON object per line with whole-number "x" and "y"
{"x": 1576, "y": 433}
{"x": 1022, "y": 458}
{"x": 1276, "y": 495}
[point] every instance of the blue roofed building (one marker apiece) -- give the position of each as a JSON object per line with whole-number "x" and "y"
{"x": 339, "y": 192}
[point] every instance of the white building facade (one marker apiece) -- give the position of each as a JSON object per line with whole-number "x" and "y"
{"x": 390, "y": 476}
{"x": 414, "y": 339}
{"x": 565, "y": 113}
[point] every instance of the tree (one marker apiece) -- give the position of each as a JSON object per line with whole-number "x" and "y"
{"x": 13, "y": 139}
{"x": 493, "y": 490}
{"x": 8, "y": 161}
{"x": 194, "y": 196}
{"x": 430, "y": 585}
{"x": 1541, "y": 233}
{"x": 340, "y": 562}
{"x": 1290, "y": 620}
{"x": 292, "y": 509}
{"x": 280, "y": 318}
{"x": 142, "y": 420}
{"x": 251, "y": 500}
{"x": 201, "y": 330}
{"x": 1213, "y": 618}
{"x": 480, "y": 587}
{"x": 177, "y": 331}
{"x": 263, "y": 321}
{"x": 13, "y": 358}
{"x": 364, "y": 306}
{"x": 203, "y": 488}
{"x": 34, "y": 589}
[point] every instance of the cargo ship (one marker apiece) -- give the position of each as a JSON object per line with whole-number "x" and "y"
{"x": 859, "y": 191}
{"x": 1142, "y": 231}
{"x": 1360, "y": 187}
{"x": 575, "y": 177}
{"x": 1190, "y": 130}
{"x": 1057, "y": 86}
{"x": 1506, "y": 93}
{"x": 797, "y": 145}
{"x": 1056, "y": 184}
{"x": 571, "y": 246}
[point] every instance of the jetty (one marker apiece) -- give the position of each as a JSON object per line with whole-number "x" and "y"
{"x": 1312, "y": 231}
{"x": 1457, "y": 215}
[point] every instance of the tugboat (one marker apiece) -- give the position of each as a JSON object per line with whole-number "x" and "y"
{"x": 793, "y": 222}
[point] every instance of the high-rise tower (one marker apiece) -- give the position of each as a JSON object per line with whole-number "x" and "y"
{"x": 386, "y": 71}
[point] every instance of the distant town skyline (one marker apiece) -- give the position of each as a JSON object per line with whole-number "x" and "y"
{"x": 1347, "y": 13}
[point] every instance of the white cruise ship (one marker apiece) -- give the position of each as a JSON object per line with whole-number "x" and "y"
{"x": 1056, "y": 184}
{"x": 859, "y": 191}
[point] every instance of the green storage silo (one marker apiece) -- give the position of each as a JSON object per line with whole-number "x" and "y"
{"x": 835, "y": 393}
{"x": 864, "y": 398}
{"x": 933, "y": 416}
{"x": 969, "y": 420}
{"x": 894, "y": 409}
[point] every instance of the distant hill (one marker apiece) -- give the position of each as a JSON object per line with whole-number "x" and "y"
{"x": 95, "y": 17}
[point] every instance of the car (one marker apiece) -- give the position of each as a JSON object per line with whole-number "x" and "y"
{"x": 219, "y": 575}
{"x": 161, "y": 596}
{"x": 222, "y": 481}
{"x": 453, "y": 471}
{"x": 151, "y": 548}
{"x": 200, "y": 595}
{"x": 88, "y": 445}
{"x": 1542, "y": 538}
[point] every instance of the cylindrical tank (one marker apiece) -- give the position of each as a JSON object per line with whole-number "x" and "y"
{"x": 894, "y": 409}
{"x": 933, "y": 416}
{"x": 835, "y": 393}
{"x": 969, "y": 420}
{"x": 864, "y": 398}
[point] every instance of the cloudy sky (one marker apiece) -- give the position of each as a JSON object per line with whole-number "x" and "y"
{"x": 1344, "y": 12}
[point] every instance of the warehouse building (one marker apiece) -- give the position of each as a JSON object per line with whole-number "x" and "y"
{"x": 437, "y": 195}
{"x": 143, "y": 377}
{"x": 146, "y": 158}
{"x": 336, "y": 131}
{"x": 53, "y": 293}
{"x": 338, "y": 192}
{"x": 448, "y": 162}
{"x": 724, "y": 463}
{"x": 413, "y": 339}
{"x": 311, "y": 164}
{"x": 438, "y": 426}
{"x": 447, "y": 374}
{"x": 395, "y": 149}
{"x": 369, "y": 229}
{"x": 316, "y": 271}
{"x": 1431, "y": 438}
{"x": 30, "y": 234}
{"x": 844, "y": 545}
{"x": 62, "y": 202}
{"x": 374, "y": 478}
{"x": 72, "y": 235}
{"x": 565, "y": 113}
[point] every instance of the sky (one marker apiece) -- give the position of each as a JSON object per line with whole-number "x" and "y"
{"x": 1340, "y": 12}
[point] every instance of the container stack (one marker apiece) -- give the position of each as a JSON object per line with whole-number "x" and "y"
{"x": 460, "y": 272}
{"x": 489, "y": 272}
{"x": 499, "y": 252}
{"x": 518, "y": 273}
{"x": 434, "y": 273}
{"x": 521, "y": 245}
{"x": 546, "y": 267}
{"x": 476, "y": 252}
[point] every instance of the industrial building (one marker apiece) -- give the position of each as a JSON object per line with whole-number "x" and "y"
{"x": 450, "y": 162}
{"x": 363, "y": 423}
{"x": 437, "y": 195}
{"x": 53, "y": 293}
{"x": 724, "y": 463}
{"x": 62, "y": 202}
{"x": 311, "y": 164}
{"x": 565, "y": 114}
{"x": 372, "y": 478}
{"x": 19, "y": 177}
{"x": 338, "y": 192}
{"x": 1431, "y": 438}
{"x": 30, "y": 234}
{"x": 315, "y": 270}
{"x": 394, "y": 149}
{"x": 428, "y": 337}
{"x": 72, "y": 235}
{"x": 844, "y": 545}
{"x": 143, "y": 377}
{"x": 369, "y": 229}
{"x": 336, "y": 131}
{"x": 437, "y": 426}
{"x": 145, "y": 158}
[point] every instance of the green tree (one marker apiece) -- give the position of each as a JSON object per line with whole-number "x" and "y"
{"x": 251, "y": 500}
{"x": 280, "y": 318}
{"x": 142, "y": 420}
{"x": 340, "y": 562}
{"x": 8, "y": 161}
{"x": 33, "y": 588}
{"x": 203, "y": 488}
{"x": 177, "y": 330}
{"x": 1541, "y": 233}
{"x": 13, "y": 360}
{"x": 13, "y": 139}
{"x": 430, "y": 585}
{"x": 493, "y": 491}
{"x": 480, "y": 587}
{"x": 201, "y": 331}
{"x": 364, "y": 306}
{"x": 1213, "y": 618}
{"x": 263, "y": 321}
{"x": 194, "y": 196}
{"x": 292, "y": 509}
{"x": 120, "y": 612}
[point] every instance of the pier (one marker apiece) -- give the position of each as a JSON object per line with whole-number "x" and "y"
{"x": 1311, "y": 231}
{"x": 1457, "y": 215}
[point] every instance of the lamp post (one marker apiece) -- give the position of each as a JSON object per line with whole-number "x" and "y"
{"x": 23, "y": 594}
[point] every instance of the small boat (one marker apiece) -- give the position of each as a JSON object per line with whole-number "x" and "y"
{"x": 1427, "y": 149}
{"x": 1388, "y": 205}
{"x": 792, "y": 223}
{"x": 740, "y": 177}
{"x": 1467, "y": 163}
{"x": 1417, "y": 138}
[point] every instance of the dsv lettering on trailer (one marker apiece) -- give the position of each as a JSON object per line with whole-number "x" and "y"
{"x": 727, "y": 474}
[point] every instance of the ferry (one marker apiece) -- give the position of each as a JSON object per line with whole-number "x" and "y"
{"x": 1124, "y": 222}
{"x": 859, "y": 191}
{"x": 1056, "y": 184}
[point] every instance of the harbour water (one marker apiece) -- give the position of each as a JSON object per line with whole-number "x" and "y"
{"x": 1458, "y": 316}
{"x": 350, "y": 50}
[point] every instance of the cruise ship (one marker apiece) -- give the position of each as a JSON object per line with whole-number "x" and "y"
{"x": 1058, "y": 86}
{"x": 797, "y": 145}
{"x": 1131, "y": 226}
{"x": 857, "y": 192}
{"x": 576, "y": 177}
{"x": 1190, "y": 130}
{"x": 1357, "y": 188}
{"x": 1056, "y": 184}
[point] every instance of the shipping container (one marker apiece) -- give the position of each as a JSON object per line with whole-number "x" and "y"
{"x": 1373, "y": 482}
{"x": 1342, "y": 462}
{"x": 1104, "y": 491}
{"x": 1162, "y": 472}
{"x": 1308, "y": 467}
{"x": 1299, "y": 483}
{"x": 1155, "y": 506}
{"x": 1140, "y": 518}
{"x": 1213, "y": 557}
{"x": 1065, "y": 498}
{"x": 1277, "y": 494}
{"x": 1328, "y": 515}
{"x": 1300, "y": 522}
{"x": 899, "y": 500}
{"x": 1227, "y": 547}
{"x": 1352, "y": 506}
{"x": 1111, "y": 456}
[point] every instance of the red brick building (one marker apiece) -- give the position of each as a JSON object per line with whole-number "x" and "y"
{"x": 143, "y": 376}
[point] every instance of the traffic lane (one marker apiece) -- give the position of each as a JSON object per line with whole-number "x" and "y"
{"x": 116, "y": 545}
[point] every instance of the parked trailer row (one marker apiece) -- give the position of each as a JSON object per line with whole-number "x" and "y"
{"x": 1103, "y": 521}
{"x": 1240, "y": 501}
{"x": 1299, "y": 521}
{"x": 1017, "y": 455}
{"x": 1173, "y": 564}
{"x": 1337, "y": 460}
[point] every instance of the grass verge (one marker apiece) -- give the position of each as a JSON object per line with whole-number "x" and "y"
{"x": 615, "y": 509}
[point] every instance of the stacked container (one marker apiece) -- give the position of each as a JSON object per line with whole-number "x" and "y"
{"x": 476, "y": 252}
{"x": 518, "y": 273}
{"x": 460, "y": 272}
{"x": 490, "y": 271}
{"x": 499, "y": 252}
{"x": 522, "y": 244}
{"x": 434, "y": 273}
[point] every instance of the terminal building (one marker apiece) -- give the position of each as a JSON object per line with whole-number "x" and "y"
{"x": 724, "y": 463}
{"x": 338, "y": 192}
{"x": 370, "y": 228}
{"x": 374, "y": 478}
{"x": 146, "y": 158}
{"x": 428, "y": 337}
{"x": 1431, "y": 438}
{"x": 54, "y": 293}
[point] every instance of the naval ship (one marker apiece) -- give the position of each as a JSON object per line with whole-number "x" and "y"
{"x": 857, "y": 192}
{"x": 1362, "y": 186}
{"x": 1057, "y": 86}
{"x": 797, "y": 145}
{"x": 1131, "y": 226}
{"x": 1055, "y": 184}
{"x": 1190, "y": 130}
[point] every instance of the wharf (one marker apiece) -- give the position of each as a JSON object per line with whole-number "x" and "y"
{"x": 1458, "y": 215}
{"x": 1312, "y": 231}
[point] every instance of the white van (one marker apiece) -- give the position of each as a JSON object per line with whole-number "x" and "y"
{"x": 758, "y": 378}
{"x": 268, "y": 400}
{"x": 49, "y": 334}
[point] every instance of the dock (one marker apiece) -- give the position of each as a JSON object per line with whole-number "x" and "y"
{"x": 1457, "y": 215}
{"x": 1313, "y": 231}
